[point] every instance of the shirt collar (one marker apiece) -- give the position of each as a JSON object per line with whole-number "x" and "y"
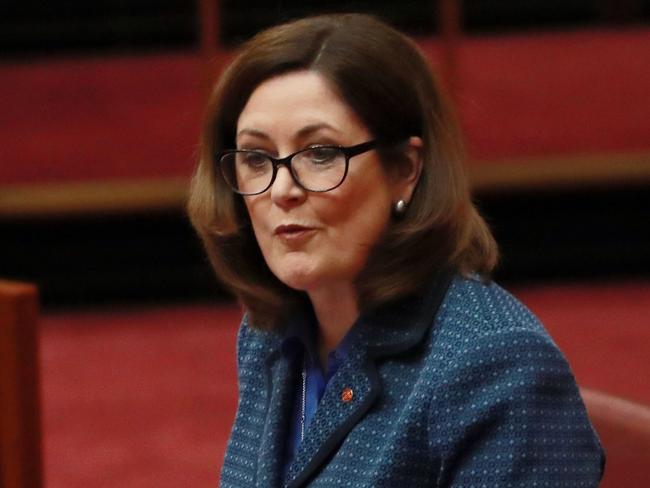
{"x": 301, "y": 334}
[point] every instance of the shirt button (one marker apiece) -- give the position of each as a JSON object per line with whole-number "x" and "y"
{"x": 347, "y": 394}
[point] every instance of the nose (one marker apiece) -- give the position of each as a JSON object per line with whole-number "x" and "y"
{"x": 285, "y": 192}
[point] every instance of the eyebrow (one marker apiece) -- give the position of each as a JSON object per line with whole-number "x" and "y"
{"x": 302, "y": 133}
{"x": 252, "y": 132}
{"x": 310, "y": 129}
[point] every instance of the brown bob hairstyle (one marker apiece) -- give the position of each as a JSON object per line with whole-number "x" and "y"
{"x": 385, "y": 79}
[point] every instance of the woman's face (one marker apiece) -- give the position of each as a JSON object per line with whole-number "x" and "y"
{"x": 312, "y": 241}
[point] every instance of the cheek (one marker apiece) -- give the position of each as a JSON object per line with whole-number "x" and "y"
{"x": 359, "y": 221}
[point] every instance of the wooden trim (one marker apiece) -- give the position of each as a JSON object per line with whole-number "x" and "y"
{"x": 20, "y": 424}
{"x": 63, "y": 199}
{"x": 576, "y": 171}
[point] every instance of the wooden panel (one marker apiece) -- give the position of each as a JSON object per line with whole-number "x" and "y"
{"x": 211, "y": 50}
{"x": 450, "y": 26}
{"x": 20, "y": 428}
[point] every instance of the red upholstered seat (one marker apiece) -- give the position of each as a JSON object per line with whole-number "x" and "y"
{"x": 624, "y": 430}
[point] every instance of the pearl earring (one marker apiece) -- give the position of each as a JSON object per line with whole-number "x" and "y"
{"x": 400, "y": 207}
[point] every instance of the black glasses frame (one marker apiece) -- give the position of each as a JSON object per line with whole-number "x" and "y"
{"x": 348, "y": 152}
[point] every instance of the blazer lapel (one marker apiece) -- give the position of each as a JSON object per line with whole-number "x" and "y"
{"x": 349, "y": 395}
{"x": 280, "y": 387}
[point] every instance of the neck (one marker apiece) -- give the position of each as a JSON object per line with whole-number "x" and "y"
{"x": 336, "y": 309}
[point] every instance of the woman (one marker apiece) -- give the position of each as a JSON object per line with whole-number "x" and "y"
{"x": 374, "y": 350}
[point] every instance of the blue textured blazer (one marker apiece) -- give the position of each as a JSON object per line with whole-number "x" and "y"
{"x": 459, "y": 387}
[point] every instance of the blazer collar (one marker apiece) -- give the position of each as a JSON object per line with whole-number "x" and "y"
{"x": 388, "y": 330}
{"x": 399, "y": 326}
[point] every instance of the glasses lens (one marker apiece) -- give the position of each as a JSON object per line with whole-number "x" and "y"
{"x": 319, "y": 168}
{"x": 247, "y": 172}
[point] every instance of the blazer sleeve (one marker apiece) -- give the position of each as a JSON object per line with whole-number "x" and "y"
{"x": 239, "y": 459}
{"x": 511, "y": 415}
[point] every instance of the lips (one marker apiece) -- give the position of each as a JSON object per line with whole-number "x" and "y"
{"x": 293, "y": 233}
{"x": 290, "y": 229}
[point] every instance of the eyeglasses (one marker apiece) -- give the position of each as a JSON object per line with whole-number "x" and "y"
{"x": 315, "y": 169}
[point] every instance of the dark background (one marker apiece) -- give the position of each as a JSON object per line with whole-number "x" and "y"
{"x": 39, "y": 28}
{"x": 568, "y": 233}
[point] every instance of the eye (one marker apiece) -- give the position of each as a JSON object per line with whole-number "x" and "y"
{"x": 252, "y": 159}
{"x": 321, "y": 154}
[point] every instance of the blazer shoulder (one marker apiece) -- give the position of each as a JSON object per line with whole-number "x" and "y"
{"x": 482, "y": 308}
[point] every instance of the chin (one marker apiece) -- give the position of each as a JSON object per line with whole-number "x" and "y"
{"x": 299, "y": 280}
{"x": 300, "y": 276}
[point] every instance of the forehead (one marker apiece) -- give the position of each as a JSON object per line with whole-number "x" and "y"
{"x": 294, "y": 100}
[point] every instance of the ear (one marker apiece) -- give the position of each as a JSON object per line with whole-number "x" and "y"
{"x": 408, "y": 174}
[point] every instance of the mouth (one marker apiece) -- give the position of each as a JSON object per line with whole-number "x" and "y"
{"x": 291, "y": 229}
{"x": 293, "y": 232}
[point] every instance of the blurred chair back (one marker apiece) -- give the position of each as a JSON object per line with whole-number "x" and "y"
{"x": 624, "y": 430}
{"x": 20, "y": 425}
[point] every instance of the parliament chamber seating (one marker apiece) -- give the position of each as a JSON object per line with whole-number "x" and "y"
{"x": 539, "y": 110}
{"x": 624, "y": 430}
{"x": 144, "y": 395}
